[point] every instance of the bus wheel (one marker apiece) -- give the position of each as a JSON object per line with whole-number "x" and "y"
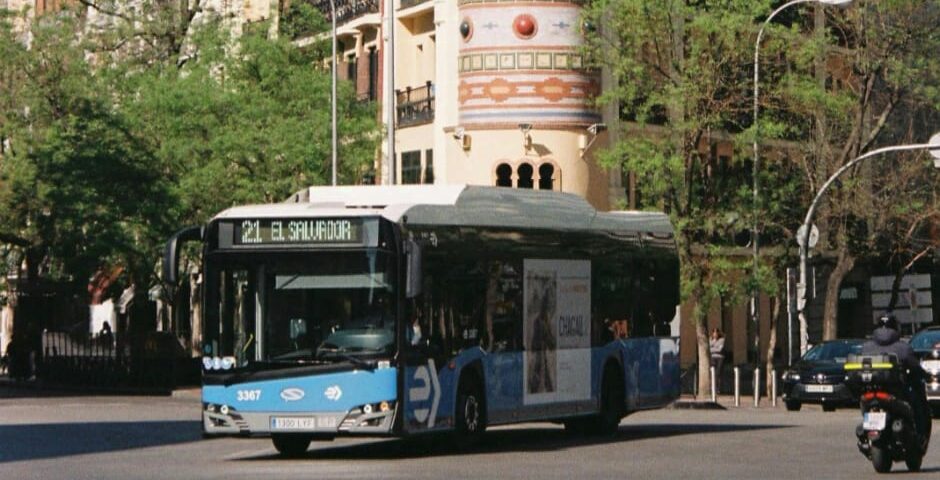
{"x": 290, "y": 445}
{"x": 612, "y": 401}
{"x": 470, "y": 415}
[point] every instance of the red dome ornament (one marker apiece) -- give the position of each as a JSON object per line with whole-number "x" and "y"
{"x": 525, "y": 26}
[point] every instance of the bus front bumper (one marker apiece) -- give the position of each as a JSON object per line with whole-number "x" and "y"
{"x": 363, "y": 420}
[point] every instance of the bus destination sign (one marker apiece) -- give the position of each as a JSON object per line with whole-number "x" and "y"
{"x": 319, "y": 231}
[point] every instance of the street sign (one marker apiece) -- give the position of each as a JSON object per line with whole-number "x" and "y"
{"x": 935, "y": 153}
{"x": 813, "y": 236}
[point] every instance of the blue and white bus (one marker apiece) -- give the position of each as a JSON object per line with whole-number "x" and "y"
{"x": 395, "y": 311}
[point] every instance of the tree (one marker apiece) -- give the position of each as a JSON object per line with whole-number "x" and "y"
{"x": 857, "y": 97}
{"x": 685, "y": 66}
{"x": 77, "y": 190}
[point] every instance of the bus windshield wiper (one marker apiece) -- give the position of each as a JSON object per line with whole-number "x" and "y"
{"x": 366, "y": 364}
{"x": 337, "y": 353}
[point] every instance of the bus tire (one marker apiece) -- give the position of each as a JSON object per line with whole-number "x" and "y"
{"x": 290, "y": 445}
{"x": 470, "y": 414}
{"x": 613, "y": 398}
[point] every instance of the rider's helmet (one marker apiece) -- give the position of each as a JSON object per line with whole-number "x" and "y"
{"x": 887, "y": 320}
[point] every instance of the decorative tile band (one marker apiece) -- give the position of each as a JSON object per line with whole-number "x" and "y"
{"x": 526, "y": 60}
{"x": 461, "y": 3}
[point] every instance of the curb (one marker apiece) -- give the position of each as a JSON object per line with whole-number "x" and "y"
{"x": 40, "y": 386}
{"x": 697, "y": 405}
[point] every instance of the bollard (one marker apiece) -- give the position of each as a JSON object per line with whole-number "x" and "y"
{"x": 737, "y": 386}
{"x": 756, "y": 387}
{"x": 713, "y": 391}
{"x": 773, "y": 388}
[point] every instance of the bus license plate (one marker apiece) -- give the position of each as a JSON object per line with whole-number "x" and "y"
{"x": 302, "y": 423}
{"x": 874, "y": 421}
{"x": 819, "y": 388}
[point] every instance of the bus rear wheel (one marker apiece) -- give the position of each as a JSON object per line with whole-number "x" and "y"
{"x": 290, "y": 445}
{"x": 470, "y": 415}
{"x": 612, "y": 403}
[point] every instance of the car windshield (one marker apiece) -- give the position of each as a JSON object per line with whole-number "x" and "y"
{"x": 832, "y": 352}
{"x": 926, "y": 340}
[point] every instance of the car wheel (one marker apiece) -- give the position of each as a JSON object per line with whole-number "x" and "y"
{"x": 793, "y": 405}
{"x": 290, "y": 445}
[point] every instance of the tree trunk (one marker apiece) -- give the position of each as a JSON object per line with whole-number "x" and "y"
{"x": 896, "y": 287}
{"x": 844, "y": 265}
{"x": 772, "y": 344}
{"x": 699, "y": 314}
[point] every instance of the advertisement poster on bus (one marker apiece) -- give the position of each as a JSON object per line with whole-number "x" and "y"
{"x": 557, "y": 330}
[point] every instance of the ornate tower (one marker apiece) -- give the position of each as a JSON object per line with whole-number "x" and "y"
{"x": 526, "y": 98}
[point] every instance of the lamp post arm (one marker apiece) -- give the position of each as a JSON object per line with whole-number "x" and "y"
{"x": 848, "y": 166}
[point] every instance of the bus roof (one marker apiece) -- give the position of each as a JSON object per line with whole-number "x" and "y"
{"x": 459, "y": 205}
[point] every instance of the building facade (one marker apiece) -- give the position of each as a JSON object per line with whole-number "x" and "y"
{"x": 487, "y": 93}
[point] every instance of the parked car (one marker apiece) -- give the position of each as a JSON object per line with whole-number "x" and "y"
{"x": 926, "y": 344}
{"x": 819, "y": 377}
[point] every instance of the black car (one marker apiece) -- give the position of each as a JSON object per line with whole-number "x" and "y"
{"x": 819, "y": 377}
{"x": 926, "y": 344}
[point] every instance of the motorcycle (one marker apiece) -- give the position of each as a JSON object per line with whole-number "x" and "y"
{"x": 888, "y": 431}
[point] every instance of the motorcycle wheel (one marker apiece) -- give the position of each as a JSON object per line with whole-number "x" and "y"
{"x": 914, "y": 461}
{"x": 880, "y": 459}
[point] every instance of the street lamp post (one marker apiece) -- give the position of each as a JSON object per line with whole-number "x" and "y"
{"x": 333, "y": 87}
{"x": 933, "y": 147}
{"x": 391, "y": 161}
{"x": 755, "y": 228}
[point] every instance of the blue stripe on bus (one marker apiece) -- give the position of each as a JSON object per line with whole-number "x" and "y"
{"x": 333, "y": 392}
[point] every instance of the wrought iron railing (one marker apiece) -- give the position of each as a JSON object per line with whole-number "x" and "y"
{"x": 415, "y": 105}
{"x": 411, "y": 3}
{"x": 346, "y": 10}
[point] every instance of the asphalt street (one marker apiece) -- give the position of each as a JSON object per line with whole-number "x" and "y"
{"x": 67, "y": 436}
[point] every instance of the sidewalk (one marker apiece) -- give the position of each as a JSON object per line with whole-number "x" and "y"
{"x": 723, "y": 402}
{"x": 37, "y": 385}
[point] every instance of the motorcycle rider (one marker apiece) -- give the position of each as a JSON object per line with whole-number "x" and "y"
{"x": 886, "y": 340}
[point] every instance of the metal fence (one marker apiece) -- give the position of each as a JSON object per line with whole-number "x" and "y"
{"x": 152, "y": 360}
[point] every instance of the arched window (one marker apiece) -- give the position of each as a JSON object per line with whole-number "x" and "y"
{"x": 525, "y": 172}
{"x": 504, "y": 175}
{"x": 547, "y": 177}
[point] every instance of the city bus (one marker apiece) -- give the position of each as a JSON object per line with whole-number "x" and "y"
{"x": 404, "y": 310}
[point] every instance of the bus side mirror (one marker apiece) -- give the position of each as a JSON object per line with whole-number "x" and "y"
{"x": 171, "y": 254}
{"x": 413, "y": 269}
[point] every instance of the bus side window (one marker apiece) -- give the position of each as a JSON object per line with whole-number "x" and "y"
{"x": 503, "y": 315}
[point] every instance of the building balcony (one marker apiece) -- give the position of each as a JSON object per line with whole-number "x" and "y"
{"x": 411, "y": 3}
{"x": 346, "y": 10}
{"x": 415, "y": 105}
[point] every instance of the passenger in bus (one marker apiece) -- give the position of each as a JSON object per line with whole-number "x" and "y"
{"x": 618, "y": 328}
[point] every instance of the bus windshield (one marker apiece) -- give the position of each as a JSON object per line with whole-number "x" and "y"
{"x": 304, "y": 307}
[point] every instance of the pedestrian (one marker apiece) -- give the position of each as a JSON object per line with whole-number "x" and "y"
{"x": 716, "y": 347}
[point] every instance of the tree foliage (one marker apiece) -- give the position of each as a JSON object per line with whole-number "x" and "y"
{"x": 833, "y": 86}
{"x": 119, "y": 126}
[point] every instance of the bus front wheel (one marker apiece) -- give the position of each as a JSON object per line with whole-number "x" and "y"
{"x": 471, "y": 413}
{"x": 290, "y": 445}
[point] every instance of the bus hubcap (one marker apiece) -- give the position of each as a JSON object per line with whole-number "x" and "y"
{"x": 471, "y": 414}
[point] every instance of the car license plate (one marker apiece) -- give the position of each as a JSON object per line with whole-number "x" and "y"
{"x": 302, "y": 423}
{"x": 819, "y": 388}
{"x": 874, "y": 420}
{"x": 931, "y": 364}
